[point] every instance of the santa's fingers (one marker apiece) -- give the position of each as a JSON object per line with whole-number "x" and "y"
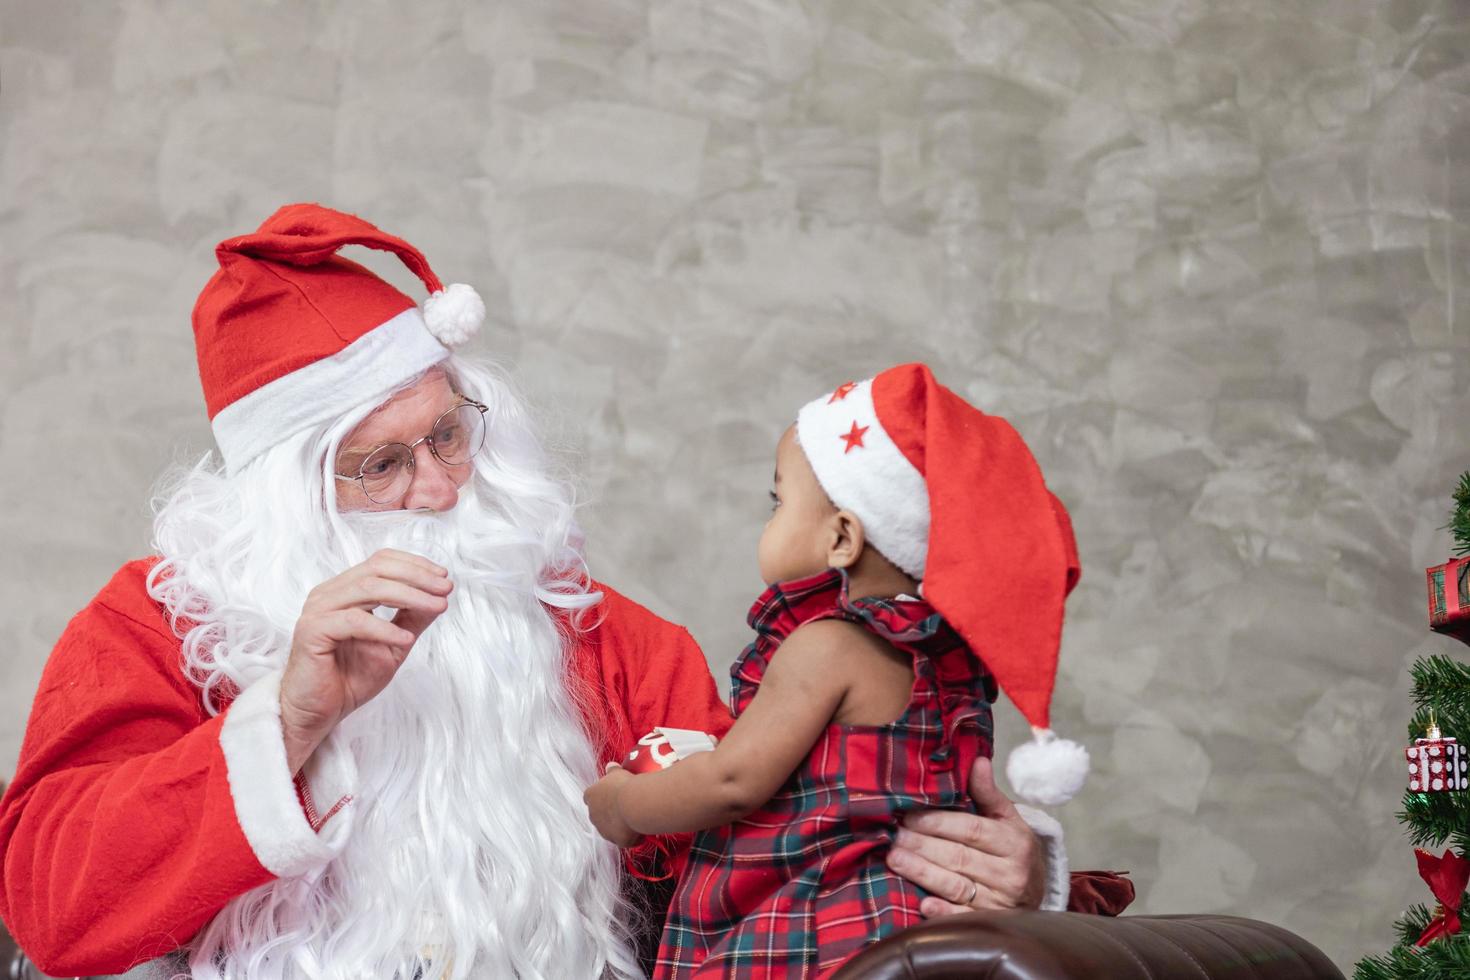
{"x": 1001, "y": 836}
{"x": 388, "y": 558}
{"x": 371, "y": 591}
{"x": 942, "y": 883}
{"x": 1005, "y": 857}
{"x": 333, "y": 629}
{"x": 416, "y": 620}
{"x": 933, "y": 908}
{"x": 402, "y": 567}
{"x": 1005, "y": 874}
{"x": 419, "y": 573}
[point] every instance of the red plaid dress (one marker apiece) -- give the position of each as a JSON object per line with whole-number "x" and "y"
{"x": 798, "y": 887}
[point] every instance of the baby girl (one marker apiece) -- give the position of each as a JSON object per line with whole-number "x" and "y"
{"x": 915, "y": 560}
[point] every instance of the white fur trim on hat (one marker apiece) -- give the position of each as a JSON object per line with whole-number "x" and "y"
{"x": 454, "y": 314}
{"x": 264, "y": 794}
{"x": 873, "y": 478}
{"x": 370, "y": 367}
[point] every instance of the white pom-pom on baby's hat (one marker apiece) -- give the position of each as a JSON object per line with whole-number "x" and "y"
{"x": 454, "y": 314}
{"x": 1047, "y": 771}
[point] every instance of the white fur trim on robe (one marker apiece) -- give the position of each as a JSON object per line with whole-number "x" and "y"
{"x": 266, "y": 803}
{"x": 1058, "y": 874}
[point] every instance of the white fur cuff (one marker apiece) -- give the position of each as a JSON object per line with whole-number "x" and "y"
{"x": 266, "y": 803}
{"x": 1058, "y": 874}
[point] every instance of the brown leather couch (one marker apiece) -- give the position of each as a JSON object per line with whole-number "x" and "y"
{"x": 1049, "y": 946}
{"x": 1068, "y": 945}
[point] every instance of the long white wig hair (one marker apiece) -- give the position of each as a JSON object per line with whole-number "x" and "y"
{"x": 470, "y": 854}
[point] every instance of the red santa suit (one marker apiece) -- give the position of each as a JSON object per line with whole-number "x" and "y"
{"x": 135, "y": 816}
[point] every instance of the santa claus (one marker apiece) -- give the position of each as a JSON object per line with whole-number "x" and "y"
{"x": 341, "y": 724}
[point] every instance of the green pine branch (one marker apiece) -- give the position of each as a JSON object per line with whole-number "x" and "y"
{"x": 1411, "y": 924}
{"x": 1443, "y": 683}
{"x": 1434, "y": 818}
{"x": 1450, "y": 717}
{"x": 1444, "y": 959}
{"x": 1459, "y": 525}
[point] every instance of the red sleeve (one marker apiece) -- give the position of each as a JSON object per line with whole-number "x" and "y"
{"x": 670, "y": 681}
{"x": 639, "y": 671}
{"x": 119, "y": 838}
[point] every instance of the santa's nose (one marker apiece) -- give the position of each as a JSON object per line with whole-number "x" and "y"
{"x": 434, "y": 486}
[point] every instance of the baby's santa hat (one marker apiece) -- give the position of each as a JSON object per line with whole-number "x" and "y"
{"x": 290, "y": 335}
{"x": 954, "y": 498}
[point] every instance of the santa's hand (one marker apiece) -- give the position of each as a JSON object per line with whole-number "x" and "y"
{"x": 602, "y": 807}
{"x": 342, "y": 655}
{"x": 989, "y": 860}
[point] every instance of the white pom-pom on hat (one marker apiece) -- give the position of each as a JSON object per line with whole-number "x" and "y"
{"x": 454, "y": 314}
{"x": 1047, "y": 771}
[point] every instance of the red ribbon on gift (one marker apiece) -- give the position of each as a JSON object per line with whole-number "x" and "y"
{"x": 1446, "y": 877}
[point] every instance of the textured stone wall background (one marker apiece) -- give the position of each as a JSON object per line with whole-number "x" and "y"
{"x": 1212, "y": 259}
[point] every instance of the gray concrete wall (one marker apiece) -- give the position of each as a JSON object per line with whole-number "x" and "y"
{"x": 1211, "y": 258}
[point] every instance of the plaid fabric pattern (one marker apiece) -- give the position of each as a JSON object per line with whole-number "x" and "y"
{"x": 798, "y": 887}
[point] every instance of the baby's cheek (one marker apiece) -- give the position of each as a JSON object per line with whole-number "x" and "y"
{"x": 767, "y": 550}
{"x": 762, "y": 545}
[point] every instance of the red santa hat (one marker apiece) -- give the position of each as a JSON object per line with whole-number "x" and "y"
{"x": 954, "y": 498}
{"x": 289, "y": 334}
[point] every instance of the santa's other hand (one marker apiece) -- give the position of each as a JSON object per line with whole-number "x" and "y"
{"x": 966, "y": 861}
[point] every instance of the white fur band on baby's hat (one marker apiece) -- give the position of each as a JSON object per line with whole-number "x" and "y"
{"x": 863, "y": 471}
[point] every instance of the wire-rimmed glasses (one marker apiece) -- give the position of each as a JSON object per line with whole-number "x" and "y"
{"x": 387, "y": 472}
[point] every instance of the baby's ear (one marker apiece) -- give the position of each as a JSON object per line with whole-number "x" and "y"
{"x": 847, "y": 540}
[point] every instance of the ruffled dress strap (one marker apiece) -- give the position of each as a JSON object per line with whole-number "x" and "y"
{"x": 964, "y": 687}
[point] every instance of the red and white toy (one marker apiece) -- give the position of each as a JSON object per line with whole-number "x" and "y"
{"x": 663, "y": 747}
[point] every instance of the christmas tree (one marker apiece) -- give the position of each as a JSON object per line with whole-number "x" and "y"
{"x": 1431, "y": 942}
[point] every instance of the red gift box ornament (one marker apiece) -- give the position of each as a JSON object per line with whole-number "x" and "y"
{"x": 1446, "y": 877}
{"x": 1437, "y": 763}
{"x": 1449, "y": 598}
{"x": 663, "y": 747}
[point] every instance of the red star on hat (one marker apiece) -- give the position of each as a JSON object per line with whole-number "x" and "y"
{"x": 854, "y": 437}
{"x": 843, "y": 390}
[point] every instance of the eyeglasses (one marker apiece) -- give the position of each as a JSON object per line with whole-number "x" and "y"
{"x": 387, "y": 472}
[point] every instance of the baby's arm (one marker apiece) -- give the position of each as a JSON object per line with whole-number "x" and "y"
{"x": 801, "y": 691}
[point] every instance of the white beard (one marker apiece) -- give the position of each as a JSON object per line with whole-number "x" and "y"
{"x": 470, "y": 854}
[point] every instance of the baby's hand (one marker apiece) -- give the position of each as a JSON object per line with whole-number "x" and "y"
{"x": 602, "y": 806}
